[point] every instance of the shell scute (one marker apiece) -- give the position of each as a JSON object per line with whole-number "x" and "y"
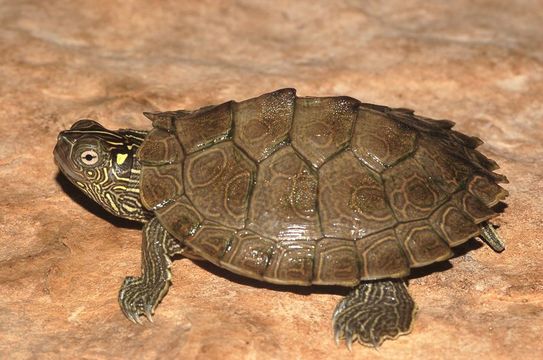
{"x": 487, "y": 191}
{"x": 204, "y": 127}
{"x": 336, "y": 262}
{"x": 446, "y": 170}
{"x": 382, "y": 256}
{"x": 179, "y": 217}
{"x": 291, "y": 262}
{"x": 158, "y": 183}
{"x": 160, "y": 147}
{"x": 411, "y": 193}
{"x": 453, "y": 224}
{"x": 264, "y": 122}
{"x": 469, "y": 141}
{"x": 211, "y": 241}
{"x": 218, "y": 181}
{"x": 322, "y": 126}
{"x": 248, "y": 254}
{"x": 165, "y": 120}
{"x": 421, "y": 123}
{"x": 284, "y": 200}
{"x": 473, "y": 207}
{"x": 379, "y": 141}
{"x": 422, "y": 243}
{"x": 352, "y": 201}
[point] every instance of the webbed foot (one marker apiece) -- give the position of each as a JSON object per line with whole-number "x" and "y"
{"x": 373, "y": 312}
{"x": 137, "y": 298}
{"x": 140, "y": 295}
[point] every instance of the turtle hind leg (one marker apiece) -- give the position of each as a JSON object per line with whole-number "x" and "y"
{"x": 373, "y": 312}
{"x": 140, "y": 295}
{"x": 491, "y": 237}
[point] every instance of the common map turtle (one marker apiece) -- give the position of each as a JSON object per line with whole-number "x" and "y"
{"x": 292, "y": 190}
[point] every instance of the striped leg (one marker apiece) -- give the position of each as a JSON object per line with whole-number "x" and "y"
{"x": 140, "y": 295}
{"x": 373, "y": 312}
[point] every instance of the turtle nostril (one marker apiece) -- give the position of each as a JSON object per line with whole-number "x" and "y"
{"x": 61, "y": 136}
{"x": 62, "y": 147}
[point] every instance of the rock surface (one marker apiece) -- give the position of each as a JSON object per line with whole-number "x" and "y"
{"x": 62, "y": 259}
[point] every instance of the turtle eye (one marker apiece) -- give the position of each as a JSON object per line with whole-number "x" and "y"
{"x": 89, "y": 157}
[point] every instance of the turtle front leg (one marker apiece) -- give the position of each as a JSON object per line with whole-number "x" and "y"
{"x": 140, "y": 295}
{"x": 373, "y": 312}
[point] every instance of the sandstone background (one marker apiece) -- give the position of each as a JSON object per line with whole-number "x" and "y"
{"x": 62, "y": 259}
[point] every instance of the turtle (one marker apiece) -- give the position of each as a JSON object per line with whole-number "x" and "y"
{"x": 292, "y": 190}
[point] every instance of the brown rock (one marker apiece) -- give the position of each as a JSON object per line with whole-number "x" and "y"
{"x": 62, "y": 259}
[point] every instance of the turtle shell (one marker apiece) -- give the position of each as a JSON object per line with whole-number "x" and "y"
{"x": 307, "y": 190}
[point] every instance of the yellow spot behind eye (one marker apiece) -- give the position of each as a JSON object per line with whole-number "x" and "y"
{"x": 121, "y": 158}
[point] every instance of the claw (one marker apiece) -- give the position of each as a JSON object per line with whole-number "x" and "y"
{"x": 127, "y": 314}
{"x": 129, "y": 317}
{"x": 136, "y": 318}
{"x": 336, "y": 331}
{"x": 337, "y": 336}
{"x": 132, "y": 316}
{"x": 149, "y": 313}
{"x": 349, "y": 339}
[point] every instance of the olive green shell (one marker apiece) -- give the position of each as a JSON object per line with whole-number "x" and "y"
{"x": 313, "y": 190}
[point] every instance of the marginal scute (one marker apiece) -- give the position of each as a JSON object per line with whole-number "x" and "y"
{"x": 420, "y": 123}
{"x": 352, "y": 201}
{"x": 211, "y": 241}
{"x": 336, "y": 262}
{"x": 469, "y": 141}
{"x": 248, "y": 254}
{"x": 381, "y": 256}
{"x": 473, "y": 207}
{"x": 264, "y": 122}
{"x": 160, "y": 147}
{"x": 322, "y": 126}
{"x": 218, "y": 181}
{"x": 453, "y": 224}
{"x": 485, "y": 162}
{"x": 165, "y": 120}
{"x": 179, "y": 217}
{"x": 453, "y": 145}
{"x": 379, "y": 141}
{"x": 284, "y": 200}
{"x": 204, "y": 127}
{"x": 411, "y": 192}
{"x": 487, "y": 191}
{"x": 446, "y": 170}
{"x": 291, "y": 262}
{"x": 160, "y": 183}
{"x": 422, "y": 243}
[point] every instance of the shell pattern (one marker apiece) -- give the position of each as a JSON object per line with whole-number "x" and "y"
{"x": 308, "y": 190}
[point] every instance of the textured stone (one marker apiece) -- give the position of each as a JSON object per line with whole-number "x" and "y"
{"x": 62, "y": 260}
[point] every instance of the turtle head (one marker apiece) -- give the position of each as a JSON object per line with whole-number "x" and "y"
{"x": 103, "y": 164}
